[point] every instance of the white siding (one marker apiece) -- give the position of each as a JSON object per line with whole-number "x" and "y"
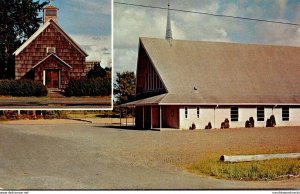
{"x": 294, "y": 119}
{"x": 206, "y": 115}
{"x": 217, "y": 116}
{"x": 221, "y": 115}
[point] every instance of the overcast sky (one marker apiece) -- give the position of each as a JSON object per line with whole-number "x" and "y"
{"x": 130, "y": 23}
{"x": 88, "y": 22}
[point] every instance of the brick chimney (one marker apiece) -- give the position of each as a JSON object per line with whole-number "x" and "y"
{"x": 50, "y": 12}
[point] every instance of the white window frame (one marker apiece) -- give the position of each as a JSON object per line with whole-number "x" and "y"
{"x": 186, "y": 112}
{"x": 234, "y": 117}
{"x": 198, "y": 112}
{"x": 48, "y": 50}
{"x": 285, "y": 113}
{"x": 260, "y": 113}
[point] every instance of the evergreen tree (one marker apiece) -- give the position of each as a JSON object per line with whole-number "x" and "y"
{"x": 18, "y": 21}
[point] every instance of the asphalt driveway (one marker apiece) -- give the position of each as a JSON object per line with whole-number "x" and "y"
{"x": 87, "y": 156}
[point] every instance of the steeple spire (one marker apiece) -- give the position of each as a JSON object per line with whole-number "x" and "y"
{"x": 169, "y": 30}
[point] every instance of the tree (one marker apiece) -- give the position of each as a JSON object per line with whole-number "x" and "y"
{"x": 97, "y": 71}
{"x": 124, "y": 88}
{"x": 18, "y": 21}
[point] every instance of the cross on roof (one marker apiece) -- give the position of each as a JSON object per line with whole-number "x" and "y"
{"x": 50, "y": 1}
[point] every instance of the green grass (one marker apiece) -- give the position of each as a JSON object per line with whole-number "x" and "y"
{"x": 249, "y": 171}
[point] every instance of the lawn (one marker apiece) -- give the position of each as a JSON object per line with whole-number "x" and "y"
{"x": 205, "y": 160}
{"x": 249, "y": 171}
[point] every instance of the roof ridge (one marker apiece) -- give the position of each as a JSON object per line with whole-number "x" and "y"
{"x": 220, "y": 42}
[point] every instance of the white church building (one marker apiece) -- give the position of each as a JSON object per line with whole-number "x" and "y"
{"x": 181, "y": 83}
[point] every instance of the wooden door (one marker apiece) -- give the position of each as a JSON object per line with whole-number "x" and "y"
{"x": 52, "y": 78}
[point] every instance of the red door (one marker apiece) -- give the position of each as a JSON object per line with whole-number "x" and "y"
{"x": 52, "y": 78}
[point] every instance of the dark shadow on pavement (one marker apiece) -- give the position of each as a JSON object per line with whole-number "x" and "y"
{"x": 133, "y": 128}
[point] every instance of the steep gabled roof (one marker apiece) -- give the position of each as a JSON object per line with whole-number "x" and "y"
{"x": 198, "y": 72}
{"x": 41, "y": 29}
{"x": 55, "y": 56}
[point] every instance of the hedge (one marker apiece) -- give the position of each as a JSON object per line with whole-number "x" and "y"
{"x": 89, "y": 87}
{"x": 22, "y": 88}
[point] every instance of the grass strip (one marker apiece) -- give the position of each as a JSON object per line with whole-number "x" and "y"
{"x": 249, "y": 171}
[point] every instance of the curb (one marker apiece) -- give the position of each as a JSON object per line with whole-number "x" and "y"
{"x": 82, "y": 120}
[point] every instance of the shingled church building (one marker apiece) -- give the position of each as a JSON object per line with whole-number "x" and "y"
{"x": 50, "y": 55}
{"x": 181, "y": 83}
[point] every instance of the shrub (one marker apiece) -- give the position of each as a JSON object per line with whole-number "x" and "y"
{"x": 193, "y": 126}
{"x": 251, "y": 120}
{"x": 22, "y": 87}
{"x": 54, "y": 114}
{"x": 247, "y": 124}
{"x": 268, "y": 124}
{"x": 273, "y": 121}
{"x": 89, "y": 87}
{"x": 208, "y": 126}
{"x": 225, "y": 124}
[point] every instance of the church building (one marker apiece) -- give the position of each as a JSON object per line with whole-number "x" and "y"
{"x": 50, "y": 55}
{"x": 181, "y": 83}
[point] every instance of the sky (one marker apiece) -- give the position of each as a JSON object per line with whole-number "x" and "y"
{"x": 131, "y": 22}
{"x": 88, "y": 23}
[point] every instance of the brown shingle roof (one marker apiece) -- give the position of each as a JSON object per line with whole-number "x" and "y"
{"x": 40, "y": 30}
{"x": 225, "y": 72}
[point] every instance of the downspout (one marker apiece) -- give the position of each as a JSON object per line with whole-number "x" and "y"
{"x": 273, "y": 108}
{"x": 120, "y": 117}
{"x": 151, "y": 126}
{"x": 133, "y": 114}
{"x": 126, "y": 116}
{"x": 160, "y": 117}
{"x": 143, "y": 117}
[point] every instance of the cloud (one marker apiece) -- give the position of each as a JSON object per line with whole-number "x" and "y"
{"x": 272, "y": 34}
{"x": 97, "y": 47}
{"x": 132, "y": 22}
{"x": 125, "y": 59}
{"x": 91, "y": 6}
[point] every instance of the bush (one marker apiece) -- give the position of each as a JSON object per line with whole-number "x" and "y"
{"x": 54, "y": 114}
{"x": 271, "y": 121}
{"x": 268, "y": 123}
{"x": 22, "y": 87}
{"x": 193, "y": 126}
{"x": 89, "y": 87}
{"x": 225, "y": 124}
{"x": 251, "y": 120}
{"x": 208, "y": 126}
{"x": 249, "y": 123}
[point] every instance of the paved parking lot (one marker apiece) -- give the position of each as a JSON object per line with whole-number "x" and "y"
{"x": 80, "y": 155}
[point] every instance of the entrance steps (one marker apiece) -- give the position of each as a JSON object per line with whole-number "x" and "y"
{"x": 55, "y": 93}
